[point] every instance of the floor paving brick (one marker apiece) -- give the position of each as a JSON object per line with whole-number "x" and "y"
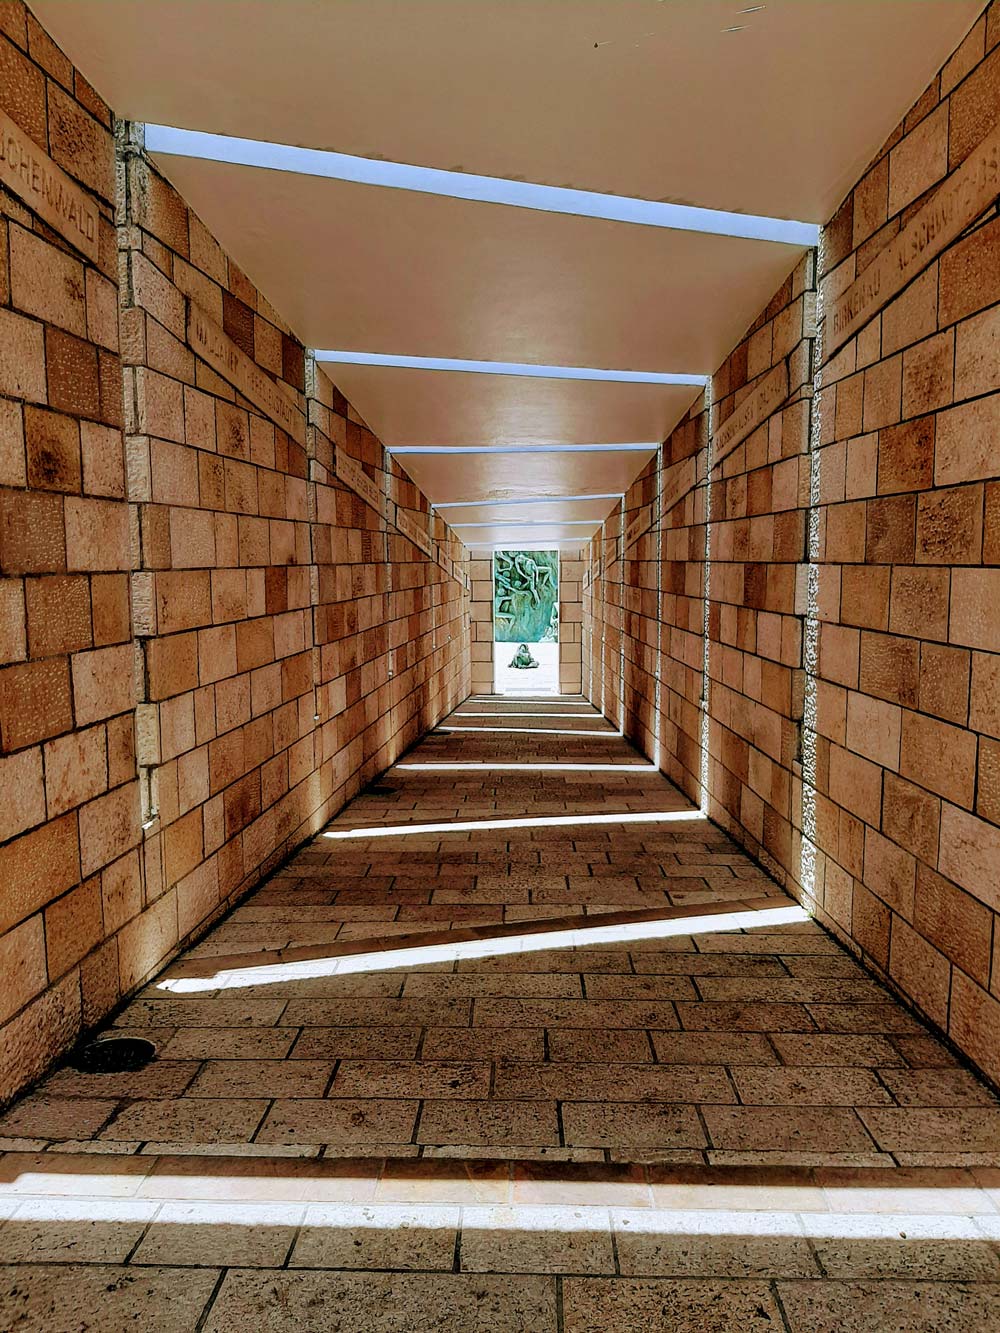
{"x": 508, "y": 1044}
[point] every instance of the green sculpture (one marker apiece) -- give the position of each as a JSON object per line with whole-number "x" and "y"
{"x": 526, "y": 596}
{"x": 522, "y": 659}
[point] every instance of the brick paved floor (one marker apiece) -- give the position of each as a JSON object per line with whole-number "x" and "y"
{"x": 520, "y": 1042}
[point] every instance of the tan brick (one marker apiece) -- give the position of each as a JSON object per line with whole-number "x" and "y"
{"x": 975, "y": 596}
{"x": 864, "y": 597}
{"x": 24, "y": 89}
{"x": 154, "y": 291}
{"x": 984, "y": 704}
{"x": 102, "y": 310}
{"x": 74, "y": 925}
{"x": 58, "y": 615}
{"x": 21, "y": 781}
{"x": 38, "y": 1035}
{"x": 855, "y": 784}
{"x": 939, "y": 756}
{"x": 172, "y": 665}
{"x": 954, "y": 922}
{"x": 966, "y": 442}
{"x": 177, "y": 726}
{"x": 890, "y": 873}
{"x": 988, "y": 789}
{"x": 146, "y": 940}
{"x": 13, "y": 631}
{"x": 99, "y": 988}
{"x": 46, "y": 282}
{"x": 102, "y": 683}
{"x": 103, "y": 460}
{"x": 182, "y": 846}
{"x": 944, "y": 682}
{"x": 910, "y": 817}
{"x": 22, "y": 966}
{"x": 890, "y": 668}
{"x": 159, "y": 405}
{"x": 52, "y": 443}
{"x": 883, "y": 384}
{"x": 891, "y": 525}
{"x": 977, "y": 354}
{"x": 906, "y": 456}
{"x": 873, "y": 729}
{"x": 991, "y": 524}
{"x": 970, "y": 853}
{"x": 970, "y": 274}
{"x": 22, "y": 358}
{"x": 36, "y": 868}
{"x": 845, "y": 532}
{"x": 919, "y": 160}
{"x": 911, "y": 316}
{"x": 76, "y": 769}
{"x": 965, "y": 59}
{"x": 183, "y": 600}
{"x": 871, "y": 201}
{"x": 110, "y": 608}
{"x": 950, "y": 526}
{"x": 232, "y": 431}
{"x": 972, "y": 108}
{"x": 109, "y": 826}
{"x": 928, "y": 372}
{"x": 197, "y": 895}
{"x": 918, "y": 604}
{"x": 34, "y": 702}
{"x": 121, "y": 891}
{"x": 32, "y": 533}
{"x": 97, "y": 536}
{"x": 975, "y": 1024}
{"x": 920, "y": 970}
{"x": 216, "y": 653}
{"x": 79, "y": 144}
{"x": 13, "y": 464}
{"x": 192, "y": 538}
{"x": 121, "y": 749}
{"x": 72, "y": 374}
{"x": 158, "y": 206}
{"x": 869, "y": 923}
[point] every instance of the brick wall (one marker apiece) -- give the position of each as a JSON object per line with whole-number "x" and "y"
{"x": 759, "y": 497}
{"x": 70, "y": 821}
{"x": 208, "y": 643}
{"x": 683, "y": 502}
{"x": 907, "y": 818}
{"x": 570, "y": 621}
{"x": 480, "y": 572}
{"x": 601, "y": 599}
{"x": 852, "y": 584}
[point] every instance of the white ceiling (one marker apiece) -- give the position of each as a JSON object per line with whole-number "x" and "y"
{"x": 649, "y": 98}
{"x": 666, "y": 105}
{"x": 383, "y": 270}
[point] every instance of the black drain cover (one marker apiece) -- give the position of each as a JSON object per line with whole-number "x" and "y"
{"x": 115, "y": 1055}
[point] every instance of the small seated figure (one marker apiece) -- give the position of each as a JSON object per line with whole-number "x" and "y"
{"x": 522, "y": 660}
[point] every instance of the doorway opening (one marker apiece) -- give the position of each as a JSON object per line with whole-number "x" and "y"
{"x": 526, "y": 622}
